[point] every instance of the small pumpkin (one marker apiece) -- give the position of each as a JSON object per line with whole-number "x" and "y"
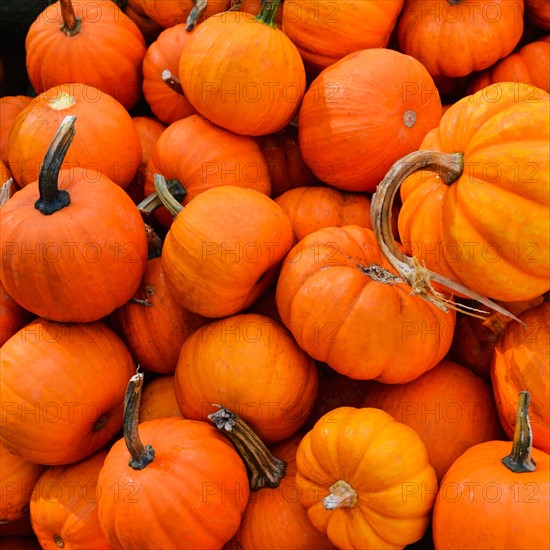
{"x": 64, "y": 506}
{"x": 365, "y": 479}
{"x": 90, "y": 42}
{"x": 158, "y": 399}
{"x": 491, "y": 490}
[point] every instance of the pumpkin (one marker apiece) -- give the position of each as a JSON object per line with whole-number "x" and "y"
{"x": 186, "y": 469}
{"x": 313, "y": 207}
{"x": 449, "y": 407}
{"x": 251, "y": 365}
{"x": 285, "y": 164}
{"x": 243, "y": 73}
{"x": 12, "y": 316}
{"x": 64, "y": 506}
{"x": 97, "y": 149}
{"x": 153, "y": 324}
{"x": 158, "y": 399}
{"x": 89, "y": 42}
{"x": 62, "y": 389}
{"x": 520, "y": 363}
{"x": 10, "y": 107}
{"x": 149, "y": 29}
{"x": 17, "y": 479}
{"x": 456, "y": 37}
{"x": 224, "y": 249}
{"x": 329, "y": 293}
{"x": 489, "y": 491}
{"x": 161, "y": 87}
{"x": 73, "y": 250}
{"x": 538, "y": 12}
{"x": 4, "y": 174}
{"x": 169, "y": 13}
{"x": 358, "y": 105}
{"x": 225, "y": 159}
{"x": 528, "y": 65}
{"x": 254, "y": 7}
{"x": 326, "y": 32}
{"x": 489, "y": 162}
{"x": 365, "y": 479}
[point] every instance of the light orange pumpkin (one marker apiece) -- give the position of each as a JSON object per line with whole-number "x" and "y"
{"x": 158, "y": 399}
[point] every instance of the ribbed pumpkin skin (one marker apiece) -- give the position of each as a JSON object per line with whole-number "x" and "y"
{"x": 359, "y": 105}
{"x": 483, "y": 505}
{"x": 196, "y": 478}
{"x": 224, "y": 250}
{"x": 70, "y": 378}
{"x": 520, "y": 362}
{"x": 251, "y": 365}
{"x": 327, "y": 31}
{"x": 80, "y": 263}
{"x": 242, "y": 74}
{"x": 329, "y": 293}
{"x": 449, "y": 407}
{"x": 454, "y": 40}
{"x": 270, "y": 509}
{"x": 384, "y": 461}
{"x": 64, "y": 505}
{"x": 107, "y": 53}
{"x": 97, "y": 146}
{"x": 490, "y": 229}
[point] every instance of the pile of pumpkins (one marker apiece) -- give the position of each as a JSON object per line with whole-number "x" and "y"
{"x": 275, "y": 275}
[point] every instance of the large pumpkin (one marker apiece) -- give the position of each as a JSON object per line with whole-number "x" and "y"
{"x": 365, "y": 479}
{"x": 359, "y": 105}
{"x": 346, "y": 307}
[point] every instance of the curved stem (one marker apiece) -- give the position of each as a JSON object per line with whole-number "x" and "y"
{"x": 167, "y": 199}
{"x": 449, "y": 167}
{"x": 152, "y": 202}
{"x": 264, "y": 470}
{"x": 195, "y": 14}
{"x": 268, "y": 13}
{"x": 71, "y": 23}
{"x": 141, "y": 455}
{"x": 342, "y": 495}
{"x": 52, "y": 198}
{"x": 520, "y": 460}
{"x": 171, "y": 81}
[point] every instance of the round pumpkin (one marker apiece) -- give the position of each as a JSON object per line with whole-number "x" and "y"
{"x": 456, "y": 37}
{"x": 88, "y": 42}
{"x": 251, "y": 365}
{"x": 64, "y": 506}
{"x": 365, "y": 479}
{"x": 358, "y": 105}
{"x": 62, "y": 389}
{"x": 158, "y": 399}
{"x": 329, "y": 295}
{"x": 97, "y": 147}
{"x": 242, "y": 72}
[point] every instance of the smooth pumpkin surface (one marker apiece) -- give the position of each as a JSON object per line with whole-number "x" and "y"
{"x": 158, "y": 399}
{"x": 10, "y": 107}
{"x": 12, "y": 316}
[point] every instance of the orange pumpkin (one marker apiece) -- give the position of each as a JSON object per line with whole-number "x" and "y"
{"x": 520, "y": 363}
{"x": 358, "y": 105}
{"x": 169, "y": 13}
{"x": 163, "y": 91}
{"x": 325, "y": 32}
{"x": 329, "y": 293}
{"x": 10, "y": 107}
{"x": 490, "y": 490}
{"x": 449, "y": 407}
{"x": 538, "y": 12}
{"x": 64, "y": 506}
{"x": 243, "y": 73}
{"x": 12, "y": 316}
{"x": 158, "y": 399}
{"x": 65, "y": 421}
{"x": 153, "y": 324}
{"x": 90, "y": 42}
{"x": 251, "y": 365}
{"x": 97, "y": 148}
{"x": 365, "y": 479}
{"x": 72, "y": 250}
{"x": 146, "y": 25}
{"x": 456, "y": 37}
{"x": 5, "y": 174}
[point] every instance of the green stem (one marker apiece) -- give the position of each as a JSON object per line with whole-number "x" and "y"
{"x": 167, "y": 199}
{"x": 520, "y": 460}
{"x": 71, "y": 23}
{"x": 52, "y": 198}
{"x": 195, "y": 14}
{"x": 149, "y": 204}
{"x": 268, "y": 13}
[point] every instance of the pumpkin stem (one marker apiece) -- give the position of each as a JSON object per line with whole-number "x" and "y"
{"x": 141, "y": 456}
{"x": 449, "y": 167}
{"x": 171, "y": 81}
{"x": 342, "y": 495}
{"x": 52, "y": 198}
{"x": 268, "y": 13}
{"x": 154, "y": 243}
{"x": 167, "y": 199}
{"x": 149, "y": 204}
{"x": 264, "y": 470}
{"x": 195, "y": 14}
{"x": 520, "y": 460}
{"x": 6, "y": 191}
{"x": 71, "y": 23}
